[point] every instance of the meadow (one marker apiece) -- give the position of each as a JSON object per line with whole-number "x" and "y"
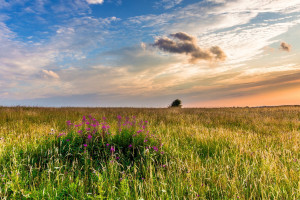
{"x": 150, "y": 153}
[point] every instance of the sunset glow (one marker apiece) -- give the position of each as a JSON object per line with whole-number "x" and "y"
{"x": 209, "y": 53}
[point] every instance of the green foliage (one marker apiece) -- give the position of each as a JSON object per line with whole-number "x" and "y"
{"x": 176, "y": 103}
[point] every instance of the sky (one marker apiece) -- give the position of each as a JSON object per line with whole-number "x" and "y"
{"x": 146, "y": 53}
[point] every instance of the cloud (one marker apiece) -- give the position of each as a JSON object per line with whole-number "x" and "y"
{"x": 183, "y": 36}
{"x": 143, "y": 46}
{"x": 285, "y": 46}
{"x": 3, "y": 4}
{"x": 94, "y": 1}
{"x": 167, "y": 4}
{"x": 49, "y": 73}
{"x": 186, "y": 44}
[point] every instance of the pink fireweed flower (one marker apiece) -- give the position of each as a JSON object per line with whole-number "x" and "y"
{"x": 104, "y": 118}
{"x": 85, "y": 145}
{"x": 89, "y": 137}
{"x": 78, "y": 125}
{"x": 112, "y": 149}
{"x": 145, "y": 140}
{"x": 155, "y": 148}
{"x": 83, "y": 119}
{"x": 88, "y": 129}
{"x": 61, "y": 134}
{"x": 117, "y": 158}
{"x": 69, "y": 123}
{"x": 107, "y": 144}
{"x": 139, "y": 131}
{"x": 80, "y": 131}
{"x": 87, "y": 123}
{"x": 130, "y": 146}
{"x": 68, "y": 140}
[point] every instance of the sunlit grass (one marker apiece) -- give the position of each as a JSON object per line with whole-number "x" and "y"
{"x": 225, "y": 153}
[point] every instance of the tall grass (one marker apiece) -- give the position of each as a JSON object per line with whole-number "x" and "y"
{"x": 220, "y": 153}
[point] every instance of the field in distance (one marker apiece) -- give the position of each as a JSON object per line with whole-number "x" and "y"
{"x": 150, "y": 153}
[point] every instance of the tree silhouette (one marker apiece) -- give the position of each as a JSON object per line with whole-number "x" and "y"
{"x": 176, "y": 103}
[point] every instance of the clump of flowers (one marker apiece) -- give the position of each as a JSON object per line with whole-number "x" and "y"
{"x": 128, "y": 143}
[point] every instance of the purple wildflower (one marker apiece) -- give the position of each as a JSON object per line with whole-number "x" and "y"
{"x": 89, "y": 137}
{"x": 80, "y": 131}
{"x": 85, "y": 145}
{"x": 107, "y": 144}
{"x": 112, "y": 149}
{"x": 130, "y": 146}
{"x": 117, "y": 158}
{"x": 68, "y": 140}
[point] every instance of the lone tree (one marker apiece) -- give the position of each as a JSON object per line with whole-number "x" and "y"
{"x": 176, "y": 104}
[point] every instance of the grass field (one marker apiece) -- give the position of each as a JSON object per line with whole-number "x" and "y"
{"x": 130, "y": 153}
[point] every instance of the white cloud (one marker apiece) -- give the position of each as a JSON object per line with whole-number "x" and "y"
{"x": 244, "y": 43}
{"x": 94, "y": 1}
{"x": 23, "y": 65}
{"x": 259, "y": 6}
{"x": 167, "y": 4}
{"x": 212, "y": 15}
{"x": 49, "y": 73}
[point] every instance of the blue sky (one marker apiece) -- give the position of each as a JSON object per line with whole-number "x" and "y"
{"x": 131, "y": 52}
